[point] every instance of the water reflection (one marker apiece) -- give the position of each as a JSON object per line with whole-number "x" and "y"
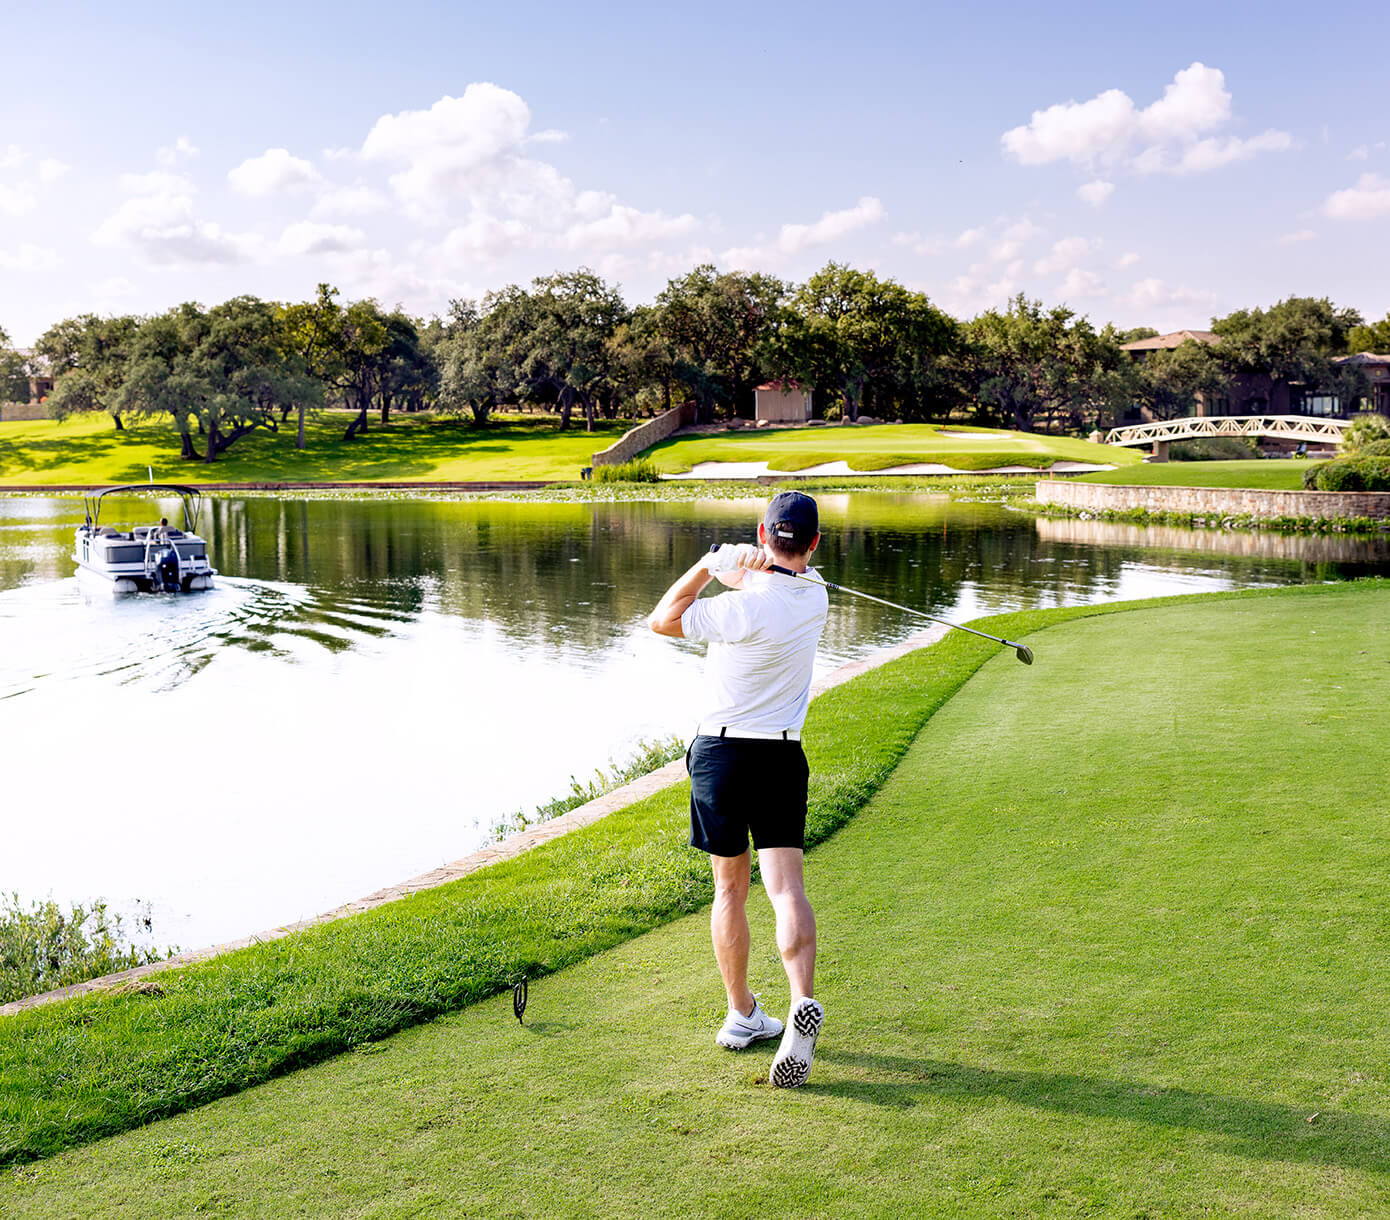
{"x": 372, "y": 684}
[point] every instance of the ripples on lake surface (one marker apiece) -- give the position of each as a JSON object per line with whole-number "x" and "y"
{"x": 373, "y": 684}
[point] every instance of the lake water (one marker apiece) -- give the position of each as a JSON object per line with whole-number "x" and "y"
{"x": 373, "y": 685}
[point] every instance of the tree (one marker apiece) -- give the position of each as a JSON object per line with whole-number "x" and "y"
{"x": 96, "y": 348}
{"x": 473, "y": 362}
{"x": 224, "y": 370}
{"x": 1169, "y": 381}
{"x": 1370, "y": 337}
{"x": 849, "y": 332}
{"x": 1291, "y": 344}
{"x": 14, "y": 376}
{"x": 720, "y": 328}
{"x": 1032, "y": 362}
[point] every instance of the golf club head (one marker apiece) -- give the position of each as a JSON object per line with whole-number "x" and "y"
{"x": 1025, "y": 654}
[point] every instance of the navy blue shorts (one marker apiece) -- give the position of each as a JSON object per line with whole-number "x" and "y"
{"x": 740, "y": 785}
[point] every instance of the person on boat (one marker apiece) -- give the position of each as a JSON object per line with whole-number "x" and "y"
{"x": 160, "y": 533}
{"x": 748, "y": 773}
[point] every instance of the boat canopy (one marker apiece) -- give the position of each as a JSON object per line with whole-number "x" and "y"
{"x": 192, "y": 499}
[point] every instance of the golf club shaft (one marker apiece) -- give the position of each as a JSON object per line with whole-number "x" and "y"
{"x": 777, "y": 567}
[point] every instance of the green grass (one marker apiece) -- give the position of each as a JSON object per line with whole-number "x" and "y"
{"x": 1108, "y": 942}
{"x": 1271, "y": 474}
{"x": 89, "y": 450}
{"x": 881, "y": 446}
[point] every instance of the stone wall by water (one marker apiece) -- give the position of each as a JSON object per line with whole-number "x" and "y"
{"x": 1215, "y": 501}
{"x": 644, "y": 436}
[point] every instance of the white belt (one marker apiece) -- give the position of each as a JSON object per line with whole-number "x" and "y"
{"x": 724, "y": 730}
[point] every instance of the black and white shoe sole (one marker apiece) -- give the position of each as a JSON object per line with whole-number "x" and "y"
{"x": 792, "y": 1065}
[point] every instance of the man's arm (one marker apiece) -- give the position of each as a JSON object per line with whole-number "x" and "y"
{"x": 666, "y": 618}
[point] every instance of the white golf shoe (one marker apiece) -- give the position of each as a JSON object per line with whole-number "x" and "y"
{"x": 740, "y": 1032}
{"x": 792, "y": 1064}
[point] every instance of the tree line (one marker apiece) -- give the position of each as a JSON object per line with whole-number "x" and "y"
{"x": 569, "y": 343}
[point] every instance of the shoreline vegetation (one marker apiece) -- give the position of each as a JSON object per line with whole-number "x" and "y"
{"x": 215, "y": 1028}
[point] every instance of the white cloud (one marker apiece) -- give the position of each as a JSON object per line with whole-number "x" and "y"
{"x": 180, "y": 150}
{"x": 1214, "y": 153}
{"x": 1361, "y": 152}
{"x": 457, "y": 146}
{"x": 1367, "y": 200}
{"x": 485, "y": 236}
{"x": 1154, "y": 293}
{"x": 16, "y": 200}
{"x": 968, "y": 238}
{"x": 51, "y": 169}
{"x": 625, "y": 226}
{"x": 919, "y": 244}
{"x": 1080, "y": 283}
{"x": 1095, "y": 193}
{"x": 307, "y": 237}
{"x": 548, "y": 136}
{"x": 350, "y": 201}
{"x": 29, "y": 257}
{"x": 159, "y": 223}
{"x": 12, "y": 156}
{"x": 1128, "y": 259}
{"x": 1166, "y": 136}
{"x": 275, "y": 170}
{"x": 113, "y": 288}
{"x": 831, "y": 226}
{"x": 1064, "y": 255}
{"x": 1289, "y": 239}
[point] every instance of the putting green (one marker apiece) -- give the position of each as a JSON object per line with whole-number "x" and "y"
{"x": 1109, "y": 941}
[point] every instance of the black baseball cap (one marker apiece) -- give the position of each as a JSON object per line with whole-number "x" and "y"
{"x": 792, "y": 520}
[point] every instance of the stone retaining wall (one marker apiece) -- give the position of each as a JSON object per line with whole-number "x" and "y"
{"x": 22, "y": 410}
{"x": 1215, "y": 501}
{"x": 644, "y": 436}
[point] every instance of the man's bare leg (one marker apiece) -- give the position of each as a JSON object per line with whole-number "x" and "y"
{"x": 728, "y": 926}
{"x": 796, "y": 922}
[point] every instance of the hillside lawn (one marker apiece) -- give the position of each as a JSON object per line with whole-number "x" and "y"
{"x": 89, "y": 450}
{"x": 416, "y": 449}
{"x": 880, "y": 446}
{"x": 1110, "y": 940}
{"x": 1268, "y": 474}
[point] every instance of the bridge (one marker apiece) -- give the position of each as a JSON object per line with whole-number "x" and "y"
{"x": 1304, "y": 429}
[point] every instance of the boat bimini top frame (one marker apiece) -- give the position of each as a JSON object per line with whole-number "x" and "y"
{"x": 192, "y": 500}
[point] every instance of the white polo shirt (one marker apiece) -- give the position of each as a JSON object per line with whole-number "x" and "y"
{"x": 762, "y": 646}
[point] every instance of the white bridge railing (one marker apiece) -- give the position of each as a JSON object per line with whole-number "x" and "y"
{"x": 1289, "y": 427}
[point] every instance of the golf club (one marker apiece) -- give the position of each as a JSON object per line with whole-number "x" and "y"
{"x": 1024, "y": 653}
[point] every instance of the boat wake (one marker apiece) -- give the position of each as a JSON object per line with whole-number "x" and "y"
{"x": 63, "y": 631}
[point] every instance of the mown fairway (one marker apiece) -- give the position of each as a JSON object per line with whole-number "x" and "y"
{"x": 877, "y": 447}
{"x": 1109, "y": 942}
{"x": 1268, "y": 474}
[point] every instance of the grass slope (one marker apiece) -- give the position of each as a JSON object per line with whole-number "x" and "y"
{"x": 90, "y": 450}
{"x": 882, "y": 446}
{"x": 1270, "y": 474}
{"x": 1108, "y": 941}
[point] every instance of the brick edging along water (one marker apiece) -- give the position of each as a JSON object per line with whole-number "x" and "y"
{"x": 583, "y": 815}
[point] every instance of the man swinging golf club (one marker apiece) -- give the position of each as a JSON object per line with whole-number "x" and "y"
{"x": 747, "y": 769}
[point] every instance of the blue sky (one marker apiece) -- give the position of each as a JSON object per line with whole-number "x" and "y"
{"x": 1147, "y": 166}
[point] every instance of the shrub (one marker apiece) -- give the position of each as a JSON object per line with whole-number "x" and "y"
{"x": 1310, "y": 475}
{"x": 1374, "y": 449}
{"x": 42, "y": 947}
{"x": 639, "y": 470}
{"x": 1214, "y": 449}
{"x": 1363, "y": 430}
{"x": 1355, "y": 474}
{"x": 834, "y": 413}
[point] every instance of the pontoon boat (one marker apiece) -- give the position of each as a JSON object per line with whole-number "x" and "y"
{"x": 146, "y": 558}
